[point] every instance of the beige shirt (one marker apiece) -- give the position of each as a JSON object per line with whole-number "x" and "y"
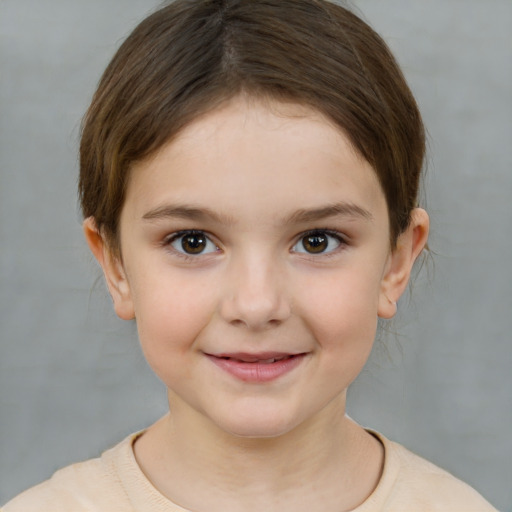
{"x": 115, "y": 483}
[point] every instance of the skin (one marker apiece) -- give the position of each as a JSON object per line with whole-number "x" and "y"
{"x": 255, "y": 178}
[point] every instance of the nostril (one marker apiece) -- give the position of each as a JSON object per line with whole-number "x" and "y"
{"x": 257, "y": 306}
{"x": 237, "y": 323}
{"x": 256, "y": 325}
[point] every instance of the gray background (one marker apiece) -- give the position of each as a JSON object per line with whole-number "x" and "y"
{"x": 72, "y": 378}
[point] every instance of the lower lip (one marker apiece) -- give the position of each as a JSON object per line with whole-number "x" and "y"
{"x": 257, "y": 372}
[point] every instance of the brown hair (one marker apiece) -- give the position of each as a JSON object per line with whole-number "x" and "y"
{"x": 192, "y": 55}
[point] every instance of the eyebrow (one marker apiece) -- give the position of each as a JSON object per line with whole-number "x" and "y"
{"x": 186, "y": 212}
{"x": 333, "y": 210}
{"x": 190, "y": 212}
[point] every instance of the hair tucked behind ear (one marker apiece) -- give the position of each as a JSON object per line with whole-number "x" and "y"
{"x": 192, "y": 55}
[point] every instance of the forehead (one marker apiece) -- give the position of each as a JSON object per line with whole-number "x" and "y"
{"x": 240, "y": 119}
{"x": 256, "y": 157}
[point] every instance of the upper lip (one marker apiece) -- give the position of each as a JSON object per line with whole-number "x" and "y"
{"x": 254, "y": 357}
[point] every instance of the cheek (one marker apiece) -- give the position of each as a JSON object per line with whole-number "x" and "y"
{"x": 342, "y": 298}
{"x": 342, "y": 315}
{"x": 170, "y": 315}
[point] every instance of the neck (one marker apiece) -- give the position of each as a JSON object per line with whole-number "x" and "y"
{"x": 328, "y": 460}
{"x": 270, "y": 461}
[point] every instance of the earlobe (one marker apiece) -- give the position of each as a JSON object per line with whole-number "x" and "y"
{"x": 113, "y": 270}
{"x": 398, "y": 270}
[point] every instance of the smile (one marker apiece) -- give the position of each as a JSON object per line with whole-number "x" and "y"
{"x": 257, "y": 368}
{"x": 263, "y": 359}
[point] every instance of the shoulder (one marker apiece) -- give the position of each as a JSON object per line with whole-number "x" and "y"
{"x": 89, "y": 486}
{"x": 410, "y": 482}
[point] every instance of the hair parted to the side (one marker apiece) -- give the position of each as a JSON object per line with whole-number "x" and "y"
{"x": 192, "y": 55}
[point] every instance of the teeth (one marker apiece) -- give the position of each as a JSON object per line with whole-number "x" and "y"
{"x": 268, "y": 361}
{"x": 261, "y": 361}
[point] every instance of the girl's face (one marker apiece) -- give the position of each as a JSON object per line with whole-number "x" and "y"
{"x": 256, "y": 260}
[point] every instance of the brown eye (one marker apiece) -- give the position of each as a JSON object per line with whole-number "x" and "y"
{"x": 318, "y": 242}
{"x": 192, "y": 243}
{"x": 315, "y": 243}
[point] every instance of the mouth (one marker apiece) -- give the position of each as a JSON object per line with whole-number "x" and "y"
{"x": 257, "y": 367}
{"x": 263, "y": 358}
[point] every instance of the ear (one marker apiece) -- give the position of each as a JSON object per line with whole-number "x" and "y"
{"x": 401, "y": 260}
{"x": 113, "y": 270}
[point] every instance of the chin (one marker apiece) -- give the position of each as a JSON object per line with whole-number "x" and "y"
{"x": 258, "y": 432}
{"x": 262, "y": 425}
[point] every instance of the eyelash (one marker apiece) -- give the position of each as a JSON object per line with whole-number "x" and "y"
{"x": 340, "y": 239}
{"x": 174, "y": 237}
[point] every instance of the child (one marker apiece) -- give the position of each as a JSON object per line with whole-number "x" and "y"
{"x": 249, "y": 178}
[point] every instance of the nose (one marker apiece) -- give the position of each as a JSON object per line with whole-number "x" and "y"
{"x": 255, "y": 296}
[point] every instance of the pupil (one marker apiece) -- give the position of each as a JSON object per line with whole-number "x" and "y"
{"x": 193, "y": 244}
{"x": 315, "y": 243}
